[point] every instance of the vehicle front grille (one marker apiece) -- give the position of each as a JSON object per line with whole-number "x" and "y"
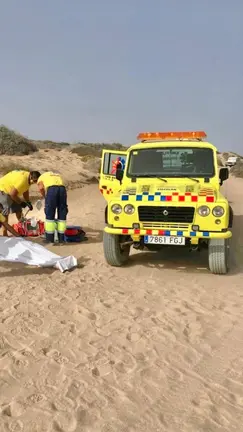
{"x": 158, "y": 214}
{"x": 166, "y": 226}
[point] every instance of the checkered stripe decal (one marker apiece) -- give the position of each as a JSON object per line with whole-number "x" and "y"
{"x": 164, "y": 232}
{"x": 106, "y": 191}
{"x": 174, "y": 197}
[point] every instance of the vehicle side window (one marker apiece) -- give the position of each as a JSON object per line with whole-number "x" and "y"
{"x": 111, "y": 160}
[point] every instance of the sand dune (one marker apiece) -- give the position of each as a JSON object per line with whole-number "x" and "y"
{"x": 154, "y": 346}
{"x": 75, "y": 171}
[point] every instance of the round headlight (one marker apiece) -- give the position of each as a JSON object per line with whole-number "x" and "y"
{"x": 203, "y": 211}
{"x": 129, "y": 209}
{"x": 218, "y": 211}
{"x": 116, "y": 208}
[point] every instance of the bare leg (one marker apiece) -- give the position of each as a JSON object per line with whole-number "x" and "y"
{"x": 19, "y": 215}
{"x": 5, "y": 232}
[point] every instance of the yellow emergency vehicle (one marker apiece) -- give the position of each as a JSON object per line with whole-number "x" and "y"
{"x": 165, "y": 191}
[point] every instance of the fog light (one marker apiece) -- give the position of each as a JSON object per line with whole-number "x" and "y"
{"x": 116, "y": 218}
{"x": 136, "y": 226}
{"x": 195, "y": 228}
{"x": 218, "y": 221}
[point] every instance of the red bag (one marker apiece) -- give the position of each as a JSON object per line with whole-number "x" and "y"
{"x": 25, "y": 229}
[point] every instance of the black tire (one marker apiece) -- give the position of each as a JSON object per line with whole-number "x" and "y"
{"x": 114, "y": 254}
{"x": 231, "y": 217}
{"x": 218, "y": 256}
{"x": 106, "y": 215}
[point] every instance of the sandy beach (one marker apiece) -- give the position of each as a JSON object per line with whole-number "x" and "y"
{"x": 155, "y": 346}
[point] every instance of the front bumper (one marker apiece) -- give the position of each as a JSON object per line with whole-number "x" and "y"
{"x": 188, "y": 234}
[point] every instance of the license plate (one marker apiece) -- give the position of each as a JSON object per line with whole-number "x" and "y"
{"x": 165, "y": 240}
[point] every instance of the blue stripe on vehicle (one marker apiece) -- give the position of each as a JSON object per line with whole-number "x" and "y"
{"x": 205, "y": 234}
{"x": 157, "y": 193}
{"x": 180, "y": 233}
{"x": 193, "y": 234}
{"x": 139, "y": 197}
{"x": 145, "y": 193}
{"x": 163, "y": 198}
{"x": 167, "y": 233}
{"x": 151, "y": 197}
{"x": 125, "y": 197}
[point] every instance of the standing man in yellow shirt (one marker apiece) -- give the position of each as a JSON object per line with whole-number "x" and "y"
{"x": 14, "y": 192}
{"x": 52, "y": 188}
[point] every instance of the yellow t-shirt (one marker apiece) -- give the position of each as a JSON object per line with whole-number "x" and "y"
{"x": 15, "y": 179}
{"x": 2, "y": 218}
{"x": 50, "y": 179}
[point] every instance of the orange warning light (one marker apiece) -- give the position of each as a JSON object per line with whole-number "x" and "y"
{"x": 170, "y": 135}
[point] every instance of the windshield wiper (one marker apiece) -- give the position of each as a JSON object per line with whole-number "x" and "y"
{"x": 192, "y": 178}
{"x": 148, "y": 176}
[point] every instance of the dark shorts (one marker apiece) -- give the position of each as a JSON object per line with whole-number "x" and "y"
{"x": 8, "y": 204}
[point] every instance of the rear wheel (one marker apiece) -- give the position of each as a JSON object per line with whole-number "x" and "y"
{"x": 231, "y": 217}
{"x": 218, "y": 256}
{"x": 114, "y": 253}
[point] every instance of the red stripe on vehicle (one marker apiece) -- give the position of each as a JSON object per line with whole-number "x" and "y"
{"x": 175, "y": 193}
{"x": 169, "y": 198}
{"x": 194, "y": 198}
{"x": 125, "y": 231}
{"x": 137, "y": 231}
{"x": 181, "y": 198}
{"x": 161, "y": 232}
{"x": 149, "y": 232}
{"x": 210, "y": 198}
{"x": 188, "y": 193}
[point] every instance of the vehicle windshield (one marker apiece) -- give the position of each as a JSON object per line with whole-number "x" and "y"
{"x": 171, "y": 162}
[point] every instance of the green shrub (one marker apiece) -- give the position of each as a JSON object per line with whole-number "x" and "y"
{"x": 14, "y": 144}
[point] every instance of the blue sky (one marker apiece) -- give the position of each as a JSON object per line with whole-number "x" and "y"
{"x": 104, "y": 70}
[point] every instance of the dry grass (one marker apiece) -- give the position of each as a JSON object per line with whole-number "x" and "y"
{"x": 220, "y": 163}
{"x": 46, "y": 144}
{"x": 95, "y": 150}
{"x": 237, "y": 170}
{"x": 12, "y": 166}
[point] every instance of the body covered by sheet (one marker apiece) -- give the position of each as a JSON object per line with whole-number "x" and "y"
{"x": 27, "y": 252}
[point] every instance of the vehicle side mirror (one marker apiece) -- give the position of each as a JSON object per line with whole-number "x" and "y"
{"x": 119, "y": 172}
{"x": 223, "y": 175}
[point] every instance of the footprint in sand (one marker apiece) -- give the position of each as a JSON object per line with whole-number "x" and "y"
{"x": 57, "y": 356}
{"x": 16, "y": 426}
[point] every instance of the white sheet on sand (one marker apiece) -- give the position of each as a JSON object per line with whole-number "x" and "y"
{"x": 16, "y": 249}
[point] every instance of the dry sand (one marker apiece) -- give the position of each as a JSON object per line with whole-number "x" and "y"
{"x": 154, "y": 346}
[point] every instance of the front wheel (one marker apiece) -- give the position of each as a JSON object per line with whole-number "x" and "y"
{"x": 114, "y": 253}
{"x": 218, "y": 256}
